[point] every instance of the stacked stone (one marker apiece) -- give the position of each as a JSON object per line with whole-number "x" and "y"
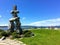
{"x": 14, "y": 22}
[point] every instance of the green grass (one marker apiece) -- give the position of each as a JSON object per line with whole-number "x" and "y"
{"x": 43, "y": 37}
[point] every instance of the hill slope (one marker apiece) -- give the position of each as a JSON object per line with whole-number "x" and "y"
{"x": 43, "y": 37}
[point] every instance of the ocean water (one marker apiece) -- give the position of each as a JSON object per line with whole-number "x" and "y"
{"x": 23, "y": 27}
{"x": 4, "y": 28}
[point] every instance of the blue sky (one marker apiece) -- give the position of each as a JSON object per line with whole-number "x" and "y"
{"x": 32, "y": 12}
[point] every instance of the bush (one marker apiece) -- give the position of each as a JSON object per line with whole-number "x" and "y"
{"x": 0, "y": 36}
{"x": 15, "y": 35}
{"x": 4, "y": 33}
{"x": 27, "y": 33}
{"x": 1, "y": 30}
{"x": 8, "y": 33}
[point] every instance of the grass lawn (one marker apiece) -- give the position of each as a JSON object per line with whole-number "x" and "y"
{"x": 43, "y": 37}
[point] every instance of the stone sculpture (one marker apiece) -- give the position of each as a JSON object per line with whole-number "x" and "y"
{"x": 15, "y": 22}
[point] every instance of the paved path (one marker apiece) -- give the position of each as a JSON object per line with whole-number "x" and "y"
{"x": 11, "y": 42}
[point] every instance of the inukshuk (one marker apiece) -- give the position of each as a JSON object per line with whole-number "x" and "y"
{"x": 15, "y": 22}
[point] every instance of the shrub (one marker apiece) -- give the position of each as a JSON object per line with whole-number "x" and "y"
{"x": 4, "y": 33}
{"x": 1, "y": 30}
{"x": 15, "y": 35}
{"x": 28, "y": 33}
{"x": 8, "y": 33}
{"x": 0, "y": 36}
{"x": 25, "y": 31}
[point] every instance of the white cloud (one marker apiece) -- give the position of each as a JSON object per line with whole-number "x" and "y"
{"x": 3, "y": 24}
{"x": 23, "y": 18}
{"x": 0, "y": 16}
{"x": 50, "y": 22}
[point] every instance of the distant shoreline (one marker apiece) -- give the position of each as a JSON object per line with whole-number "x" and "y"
{"x": 29, "y": 27}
